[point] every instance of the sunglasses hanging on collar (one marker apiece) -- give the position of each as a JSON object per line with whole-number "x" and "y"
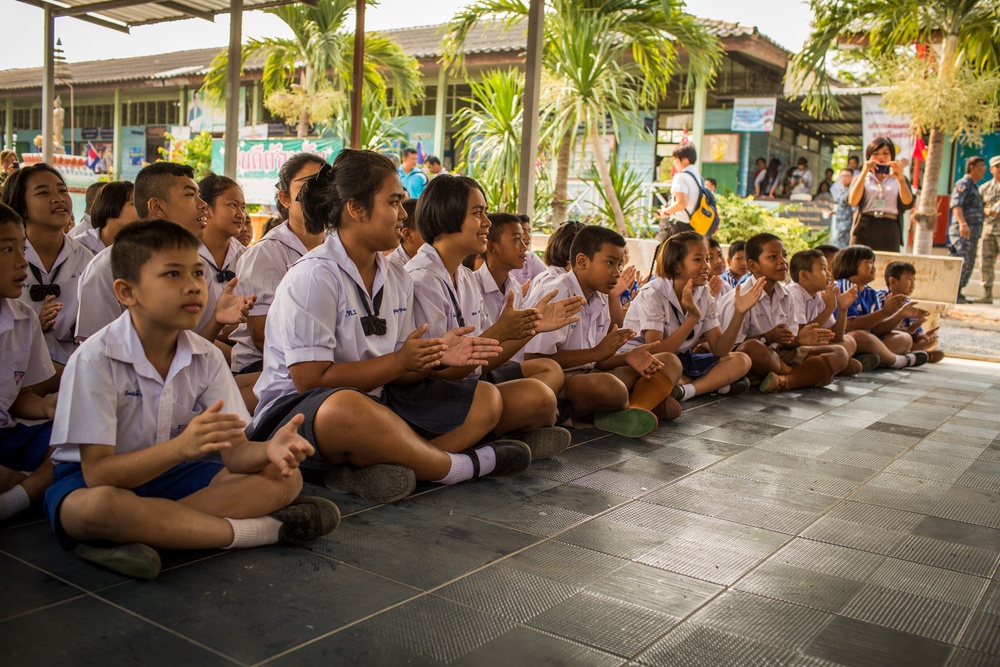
{"x": 41, "y": 290}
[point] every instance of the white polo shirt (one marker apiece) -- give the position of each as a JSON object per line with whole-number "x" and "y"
{"x": 316, "y": 316}
{"x": 657, "y": 308}
{"x": 764, "y": 316}
{"x": 438, "y": 302}
{"x": 98, "y": 304}
{"x": 260, "y": 270}
{"x": 112, "y": 395}
{"x": 806, "y": 307}
{"x": 595, "y": 321}
{"x": 495, "y": 296}
{"x": 81, "y": 228}
{"x": 91, "y": 239}
{"x": 533, "y": 266}
{"x": 233, "y": 253}
{"x": 542, "y": 284}
{"x": 691, "y": 187}
{"x": 398, "y": 257}
{"x": 24, "y": 359}
{"x": 68, "y": 267}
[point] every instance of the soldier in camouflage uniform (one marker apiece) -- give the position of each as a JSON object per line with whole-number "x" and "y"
{"x": 967, "y": 216}
{"x": 990, "y": 191}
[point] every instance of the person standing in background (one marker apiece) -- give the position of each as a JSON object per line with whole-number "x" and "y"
{"x": 967, "y": 216}
{"x": 990, "y": 191}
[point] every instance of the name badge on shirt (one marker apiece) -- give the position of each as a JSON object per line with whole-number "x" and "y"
{"x": 878, "y": 204}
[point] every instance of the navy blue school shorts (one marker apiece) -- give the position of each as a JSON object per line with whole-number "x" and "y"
{"x": 23, "y": 447}
{"x": 179, "y": 482}
{"x": 697, "y": 364}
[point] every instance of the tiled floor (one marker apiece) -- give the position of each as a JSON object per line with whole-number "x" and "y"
{"x": 853, "y": 525}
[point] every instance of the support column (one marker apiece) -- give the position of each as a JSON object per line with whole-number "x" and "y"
{"x": 256, "y": 103}
{"x": 358, "y": 83}
{"x": 8, "y": 130}
{"x": 700, "y": 102}
{"x": 48, "y": 82}
{"x": 116, "y": 147}
{"x": 440, "y": 111}
{"x": 529, "y": 128}
{"x": 183, "y": 107}
{"x": 233, "y": 88}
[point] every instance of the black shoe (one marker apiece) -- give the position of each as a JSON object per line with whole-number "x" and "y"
{"x": 547, "y": 441}
{"x": 921, "y": 358}
{"x": 739, "y": 387}
{"x": 139, "y": 561}
{"x": 512, "y": 456}
{"x": 677, "y": 393}
{"x": 381, "y": 483}
{"x": 868, "y": 361}
{"x": 961, "y": 298}
{"x": 307, "y": 518}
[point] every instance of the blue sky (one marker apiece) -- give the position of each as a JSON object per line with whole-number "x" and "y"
{"x": 785, "y": 21}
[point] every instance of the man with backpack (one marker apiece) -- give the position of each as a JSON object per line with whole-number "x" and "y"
{"x": 692, "y": 206}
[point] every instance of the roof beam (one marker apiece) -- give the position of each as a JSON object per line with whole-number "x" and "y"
{"x": 185, "y": 9}
{"x": 105, "y": 5}
{"x": 89, "y": 19}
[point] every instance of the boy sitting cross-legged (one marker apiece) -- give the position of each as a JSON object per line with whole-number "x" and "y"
{"x": 590, "y": 346}
{"x": 901, "y": 278}
{"x": 785, "y": 355}
{"x": 142, "y": 405}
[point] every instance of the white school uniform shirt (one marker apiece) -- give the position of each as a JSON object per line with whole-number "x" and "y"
{"x": 214, "y": 287}
{"x": 435, "y": 297}
{"x": 99, "y": 306}
{"x": 24, "y": 359}
{"x": 85, "y": 225}
{"x": 595, "y": 321}
{"x": 398, "y": 256}
{"x": 69, "y": 265}
{"x": 260, "y": 270}
{"x": 316, "y": 316}
{"x": 657, "y": 308}
{"x": 495, "y": 296}
{"x": 807, "y": 306}
{"x": 91, "y": 239}
{"x": 533, "y": 266}
{"x": 111, "y": 394}
{"x": 541, "y": 284}
{"x": 764, "y": 316}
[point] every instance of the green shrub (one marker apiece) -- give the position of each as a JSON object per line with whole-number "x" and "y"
{"x": 742, "y": 218}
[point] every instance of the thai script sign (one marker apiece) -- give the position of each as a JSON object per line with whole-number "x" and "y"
{"x": 753, "y": 114}
{"x": 258, "y": 162}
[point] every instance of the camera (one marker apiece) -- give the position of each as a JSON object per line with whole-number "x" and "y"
{"x": 883, "y": 169}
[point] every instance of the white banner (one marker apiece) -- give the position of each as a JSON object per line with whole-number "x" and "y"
{"x": 753, "y": 114}
{"x": 877, "y": 122}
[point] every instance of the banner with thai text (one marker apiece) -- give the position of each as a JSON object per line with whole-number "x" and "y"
{"x": 877, "y": 122}
{"x": 258, "y": 162}
{"x": 753, "y": 114}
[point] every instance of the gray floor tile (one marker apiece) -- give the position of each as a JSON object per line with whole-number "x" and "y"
{"x": 694, "y": 645}
{"x": 852, "y": 642}
{"x": 767, "y": 620}
{"x": 25, "y": 589}
{"x": 527, "y": 646}
{"x": 664, "y": 592}
{"x": 512, "y": 594}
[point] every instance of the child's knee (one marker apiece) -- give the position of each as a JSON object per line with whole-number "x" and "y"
{"x": 740, "y": 360}
{"x": 92, "y": 511}
{"x": 671, "y": 365}
{"x": 487, "y": 403}
{"x": 279, "y": 489}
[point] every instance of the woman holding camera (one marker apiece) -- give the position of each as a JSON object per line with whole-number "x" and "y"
{"x": 881, "y": 194}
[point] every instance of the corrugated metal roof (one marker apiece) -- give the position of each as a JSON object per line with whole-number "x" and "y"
{"x": 145, "y": 13}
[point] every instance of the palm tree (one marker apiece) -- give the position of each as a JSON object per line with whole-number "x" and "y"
{"x": 964, "y": 34}
{"x": 605, "y": 58}
{"x": 312, "y": 69}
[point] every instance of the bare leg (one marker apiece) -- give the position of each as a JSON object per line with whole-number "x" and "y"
{"x": 352, "y": 428}
{"x": 595, "y": 392}
{"x": 899, "y": 342}
{"x": 730, "y": 368}
{"x": 835, "y": 355}
{"x": 41, "y": 479}
{"x": 10, "y": 478}
{"x": 245, "y": 496}
{"x": 545, "y": 370}
{"x": 245, "y": 382}
{"x": 528, "y": 404}
{"x": 487, "y": 405}
{"x": 762, "y": 359}
{"x": 869, "y": 343}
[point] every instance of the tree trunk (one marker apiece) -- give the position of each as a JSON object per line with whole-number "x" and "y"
{"x": 926, "y": 215}
{"x": 609, "y": 188}
{"x": 560, "y": 198}
{"x": 303, "y": 129}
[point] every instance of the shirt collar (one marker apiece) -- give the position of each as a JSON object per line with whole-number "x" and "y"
{"x": 428, "y": 258}
{"x": 489, "y": 284}
{"x": 232, "y": 250}
{"x": 283, "y": 234}
{"x": 122, "y": 343}
{"x": 338, "y": 253}
{"x": 68, "y": 246}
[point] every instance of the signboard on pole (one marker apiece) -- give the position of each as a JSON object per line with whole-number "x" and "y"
{"x": 258, "y": 162}
{"x": 877, "y": 122}
{"x": 754, "y": 114}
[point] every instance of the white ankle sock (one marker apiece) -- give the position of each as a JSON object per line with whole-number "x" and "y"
{"x": 487, "y": 460}
{"x": 461, "y": 470}
{"x": 901, "y": 362}
{"x": 723, "y": 390}
{"x": 910, "y": 359}
{"x": 13, "y": 501}
{"x": 689, "y": 391}
{"x": 254, "y": 532}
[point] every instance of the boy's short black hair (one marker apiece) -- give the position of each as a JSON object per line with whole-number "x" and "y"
{"x": 497, "y": 223}
{"x": 686, "y": 152}
{"x": 846, "y": 261}
{"x": 712, "y": 181}
{"x": 897, "y": 270}
{"x": 755, "y": 245}
{"x": 15, "y": 188}
{"x": 714, "y": 243}
{"x": 110, "y": 201}
{"x": 973, "y": 162}
{"x": 591, "y": 239}
{"x": 804, "y": 260}
{"x": 136, "y": 244}
{"x": 154, "y": 182}
{"x": 560, "y": 242}
{"x": 407, "y": 151}
{"x": 673, "y": 251}
{"x": 827, "y": 249}
{"x": 443, "y": 205}
{"x": 10, "y": 216}
{"x": 410, "y": 206}
{"x": 524, "y": 218}
{"x": 735, "y": 247}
